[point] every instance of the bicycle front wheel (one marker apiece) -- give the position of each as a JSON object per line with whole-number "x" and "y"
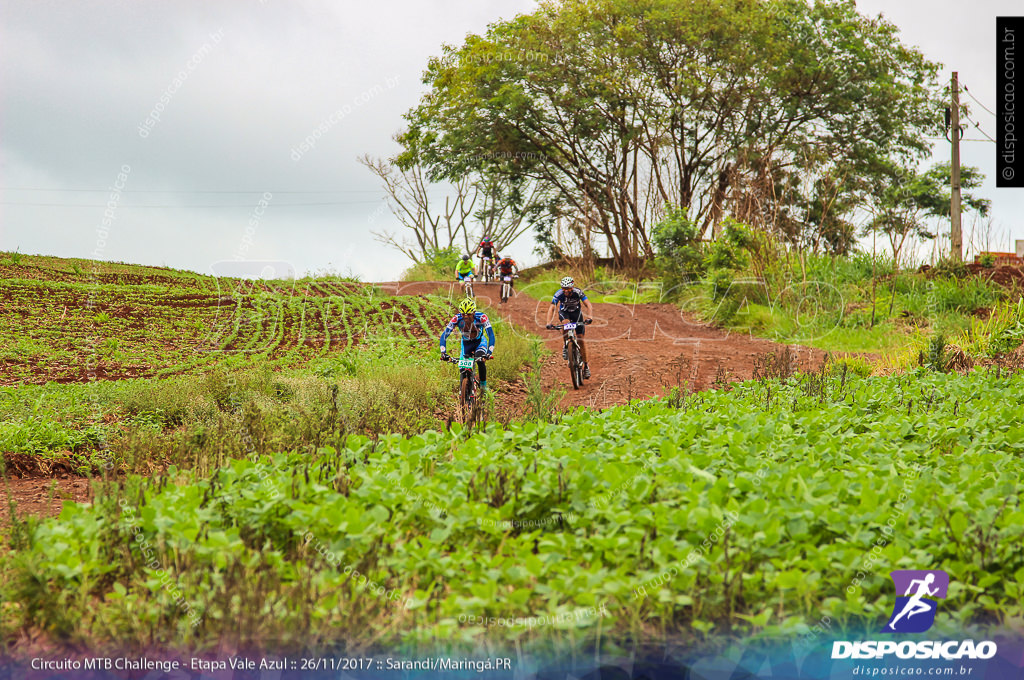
{"x": 465, "y": 398}
{"x": 575, "y": 366}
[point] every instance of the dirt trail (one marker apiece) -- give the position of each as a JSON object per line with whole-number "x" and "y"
{"x": 38, "y": 493}
{"x": 634, "y": 350}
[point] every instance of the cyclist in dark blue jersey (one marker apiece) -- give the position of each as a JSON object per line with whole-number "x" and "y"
{"x": 569, "y": 302}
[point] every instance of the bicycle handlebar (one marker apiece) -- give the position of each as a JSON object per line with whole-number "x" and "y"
{"x": 453, "y": 360}
{"x": 558, "y": 327}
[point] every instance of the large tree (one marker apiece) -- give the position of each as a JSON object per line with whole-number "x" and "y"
{"x": 623, "y": 106}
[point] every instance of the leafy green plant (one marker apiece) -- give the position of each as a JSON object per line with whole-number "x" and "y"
{"x": 676, "y": 241}
{"x": 541, "y": 405}
{"x": 668, "y": 509}
{"x": 857, "y": 366}
{"x": 987, "y": 260}
{"x": 728, "y": 251}
{"x": 949, "y": 267}
{"x": 438, "y": 265}
{"x": 1000, "y": 333}
{"x": 935, "y": 357}
{"x": 13, "y": 259}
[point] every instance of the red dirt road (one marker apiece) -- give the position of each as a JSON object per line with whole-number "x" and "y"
{"x": 634, "y": 351}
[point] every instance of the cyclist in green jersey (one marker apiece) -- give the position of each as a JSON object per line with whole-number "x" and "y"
{"x": 465, "y": 269}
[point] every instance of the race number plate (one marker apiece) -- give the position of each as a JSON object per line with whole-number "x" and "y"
{"x": 568, "y": 326}
{"x": 507, "y": 279}
{"x": 465, "y": 363}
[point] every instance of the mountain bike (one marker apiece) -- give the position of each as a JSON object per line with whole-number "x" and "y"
{"x": 575, "y": 355}
{"x": 467, "y": 284}
{"x": 470, "y": 406}
{"x": 486, "y": 269}
{"x": 506, "y": 286}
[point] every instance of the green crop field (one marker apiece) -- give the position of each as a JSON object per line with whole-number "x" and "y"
{"x": 759, "y": 509}
{"x": 274, "y": 469}
{"x": 64, "y": 325}
{"x": 110, "y": 366}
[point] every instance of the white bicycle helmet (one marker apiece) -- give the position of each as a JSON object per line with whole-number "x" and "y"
{"x": 567, "y": 282}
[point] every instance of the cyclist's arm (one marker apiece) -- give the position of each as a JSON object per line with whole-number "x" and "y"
{"x": 446, "y": 332}
{"x": 552, "y": 312}
{"x": 490, "y": 332}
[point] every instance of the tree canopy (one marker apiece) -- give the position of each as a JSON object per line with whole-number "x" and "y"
{"x": 620, "y": 107}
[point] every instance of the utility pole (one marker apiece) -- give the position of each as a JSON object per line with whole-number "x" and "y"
{"x": 955, "y": 236}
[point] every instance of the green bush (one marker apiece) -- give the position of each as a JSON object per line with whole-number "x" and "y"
{"x": 438, "y": 265}
{"x": 935, "y": 356}
{"x": 724, "y": 255}
{"x": 720, "y": 281}
{"x": 856, "y": 268}
{"x": 857, "y": 366}
{"x": 948, "y": 267}
{"x": 676, "y": 241}
{"x": 1000, "y": 333}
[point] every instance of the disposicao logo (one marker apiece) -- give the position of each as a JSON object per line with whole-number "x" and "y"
{"x": 915, "y": 608}
{"x": 917, "y": 595}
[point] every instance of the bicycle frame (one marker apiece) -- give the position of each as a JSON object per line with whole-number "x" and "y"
{"x": 468, "y": 401}
{"x": 575, "y": 353}
{"x": 467, "y": 285}
{"x": 485, "y": 267}
{"x": 506, "y": 286}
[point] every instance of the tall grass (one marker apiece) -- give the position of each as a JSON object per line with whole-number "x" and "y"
{"x": 966, "y": 295}
{"x": 386, "y": 384}
{"x": 1001, "y": 333}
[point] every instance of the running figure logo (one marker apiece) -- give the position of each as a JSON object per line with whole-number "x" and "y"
{"x": 914, "y": 613}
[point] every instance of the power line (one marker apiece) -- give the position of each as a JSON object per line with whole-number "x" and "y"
{"x": 978, "y": 125}
{"x": 978, "y": 100}
{"x": 964, "y": 139}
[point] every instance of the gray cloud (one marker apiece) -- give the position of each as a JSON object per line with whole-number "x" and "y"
{"x": 77, "y": 79}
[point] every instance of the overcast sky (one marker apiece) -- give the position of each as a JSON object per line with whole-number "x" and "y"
{"x": 236, "y": 87}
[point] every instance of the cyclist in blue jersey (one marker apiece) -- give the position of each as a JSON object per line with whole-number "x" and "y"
{"x": 472, "y": 325}
{"x": 569, "y": 302}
